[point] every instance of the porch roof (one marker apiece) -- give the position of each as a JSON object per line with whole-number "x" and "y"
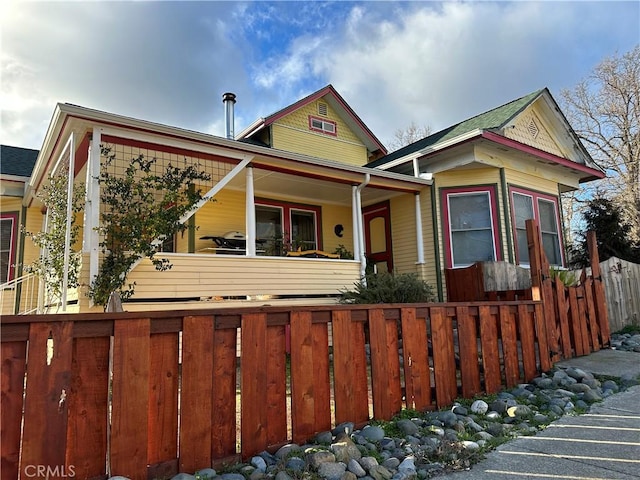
{"x": 307, "y": 171}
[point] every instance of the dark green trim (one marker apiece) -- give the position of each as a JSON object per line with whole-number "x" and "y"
{"x": 506, "y": 208}
{"x": 565, "y": 258}
{"x": 436, "y": 241}
{"x": 20, "y": 259}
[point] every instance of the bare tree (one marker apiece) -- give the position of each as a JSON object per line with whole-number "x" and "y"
{"x": 408, "y": 135}
{"x": 604, "y": 110}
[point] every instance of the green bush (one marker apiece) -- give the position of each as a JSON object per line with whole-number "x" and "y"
{"x": 389, "y": 288}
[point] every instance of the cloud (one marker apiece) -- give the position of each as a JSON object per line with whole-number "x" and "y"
{"x": 438, "y": 64}
{"x": 394, "y": 62}
{"x": 165, "y": 62}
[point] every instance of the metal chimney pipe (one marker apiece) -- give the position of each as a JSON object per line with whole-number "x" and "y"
{"x": 229, "y": 99}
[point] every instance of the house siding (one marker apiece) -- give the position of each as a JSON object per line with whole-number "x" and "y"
{"x": 543, "y": 140}
{"x": 292, "y": 133}
{"x": 403, "y": 236}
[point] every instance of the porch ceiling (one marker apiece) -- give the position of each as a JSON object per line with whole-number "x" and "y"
{"x": 307, "y": 189}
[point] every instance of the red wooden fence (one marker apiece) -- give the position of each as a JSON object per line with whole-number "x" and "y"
{"x": 575, "y": 316}
{"x": 150, "y": 394}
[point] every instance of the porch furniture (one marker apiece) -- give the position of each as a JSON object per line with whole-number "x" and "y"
{"x": 312, "y": 254}
{"x": 231, "y": 243}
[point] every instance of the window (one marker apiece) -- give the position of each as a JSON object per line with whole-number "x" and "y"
{"x": 544, "y": 209}
{"x": 284, "y": 227}
{"x": 471, "y": 225}
{"x": 324, "y": 126}
{"x": 8, "y": 238}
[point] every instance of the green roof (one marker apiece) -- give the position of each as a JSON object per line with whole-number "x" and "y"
{"x": 492, "y": 119}
{"x": 17, "y": 161}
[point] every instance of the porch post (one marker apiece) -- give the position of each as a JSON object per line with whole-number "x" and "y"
{"x": 250, "y": 215}
{"x": 419, "y": 238}
{"x": 354, "y": 220}
{"x": 71, "y": 144}
{"x": 92, "y": 205}
{"x": 360, "y": 230}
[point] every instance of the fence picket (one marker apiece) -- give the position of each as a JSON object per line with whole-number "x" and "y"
{"x": 46, "y": 404}
{"x": 88, "y": 407}
{"x": 509, "y": 339}
{"x": 417, "y": 377}
{"x": 490, "y": 352}
{"x": 563, "y": 321}
{"x": 129, "y": 418}
{"x": 444, "y": 362}
{"x": 276, "y": 394}
{"x": 349, "y": 369}
{"x": 163, "y": 399}
{"x": 321, "y": 377}
{"x": 253, "y": 382}
{"x": 303, "y": 400}
{"x": 13, "y": 357}
{"x": 385, "y": 366}
{"x": 468, "y": 340}
{"x": 527, "y": 342}
{"x": 223, "y": 419}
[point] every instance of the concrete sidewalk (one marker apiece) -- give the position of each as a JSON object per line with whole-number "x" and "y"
{"x": 603, "y": 444}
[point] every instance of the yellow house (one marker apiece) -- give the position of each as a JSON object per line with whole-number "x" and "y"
{"x": 297, "y": 190}
{"x": 281, "y": 220}
{"x": 491, "y": 173}
{"x": 16, "y": 165}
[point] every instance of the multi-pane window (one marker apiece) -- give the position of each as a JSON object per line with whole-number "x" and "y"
{"x": 471, "y": 226}
{"x": 283, "y": 227}
{"x": 8, "y": 224}
{"x": 322, "y": 125}
{"x": 543, "y": 208}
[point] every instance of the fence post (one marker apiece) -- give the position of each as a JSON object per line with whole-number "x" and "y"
{"x": 598, "y": 289}
{"x": 537, "y": 292}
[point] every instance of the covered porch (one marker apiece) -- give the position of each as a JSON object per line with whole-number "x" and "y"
{"x": 296, "y": 220}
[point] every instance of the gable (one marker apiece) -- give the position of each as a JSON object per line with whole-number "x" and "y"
{"x": 296, "y": 117}
{"x": 294, "y": 133}
{"x": 531, "y": 130}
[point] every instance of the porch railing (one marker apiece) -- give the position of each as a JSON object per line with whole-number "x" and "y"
{"x": 20, "y": 295}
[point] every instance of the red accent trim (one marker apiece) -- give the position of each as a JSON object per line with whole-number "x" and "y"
{"x": 550, "y": 157}
{"x": 328, "y": 90}
{"x": 81, "y": 155}
{"x": 379, "y": 210}
{"x": 311, "y": 127}
{"x": 444, "y": 202}
{"x": 166, "y": 149}
{"x": 536, "y": 213}
{"x": 13, "y": 216}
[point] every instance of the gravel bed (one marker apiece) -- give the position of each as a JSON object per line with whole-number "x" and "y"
{"x": 416, "y": 446}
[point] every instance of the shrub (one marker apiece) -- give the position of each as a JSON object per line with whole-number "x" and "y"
{"x": 389, "y": 288}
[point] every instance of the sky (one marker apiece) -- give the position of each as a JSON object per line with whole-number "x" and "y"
{"x": 431, "y": 63}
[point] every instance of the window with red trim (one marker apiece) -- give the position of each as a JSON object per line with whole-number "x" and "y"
{"x": 8, "y": 243}
{"x": 284, "y": 227}
{"x": 471, "y": 225}
{"x": 322, "y": 125}
{"x": 526, "y": 205}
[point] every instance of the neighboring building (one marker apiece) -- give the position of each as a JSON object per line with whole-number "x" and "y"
{"x": 494, "y": 171}
{"x": 16, "y": 165}
{"x": 311, "y": 180}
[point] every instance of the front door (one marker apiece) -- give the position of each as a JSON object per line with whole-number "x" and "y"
{"x": 377, "y": 232}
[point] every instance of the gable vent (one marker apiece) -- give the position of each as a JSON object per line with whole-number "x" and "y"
{"x": 533, "y": 129}
{"x": 323, "y": 109}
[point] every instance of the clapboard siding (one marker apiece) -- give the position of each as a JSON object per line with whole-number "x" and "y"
{"x": 233, "y": 275}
